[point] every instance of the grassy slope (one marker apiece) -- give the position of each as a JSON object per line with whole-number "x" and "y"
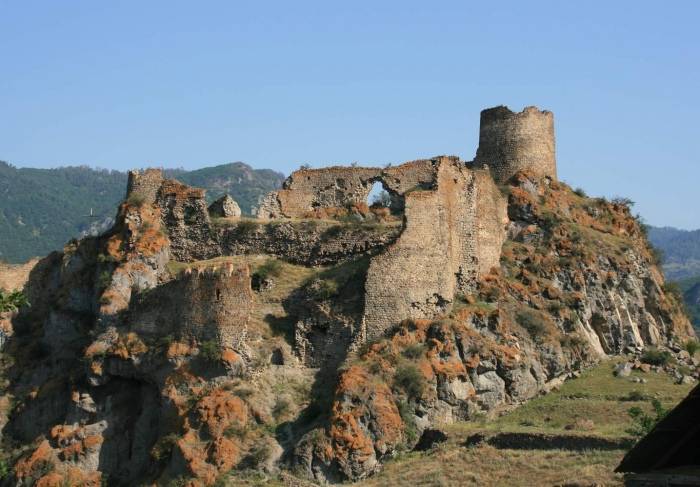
{"x": 596, "y": 395}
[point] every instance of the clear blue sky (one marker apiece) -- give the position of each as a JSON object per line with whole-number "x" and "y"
{"x": 276, "y": 84}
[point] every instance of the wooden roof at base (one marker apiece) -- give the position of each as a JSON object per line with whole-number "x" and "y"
{"x": 674, "y": 441}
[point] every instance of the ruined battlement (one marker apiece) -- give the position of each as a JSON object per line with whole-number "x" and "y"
{"x": 145, "y": 184}
{"x": 337, "y": 187}
{"x": 517, "y": 141}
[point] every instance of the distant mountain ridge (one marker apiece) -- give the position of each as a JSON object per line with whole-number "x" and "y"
{"x": 41, "y": 209}
{"x": 681, "y": 251}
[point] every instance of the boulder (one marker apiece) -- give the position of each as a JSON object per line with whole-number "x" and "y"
{"x": 225, "y": 207}
{"x": 622, "y": 370}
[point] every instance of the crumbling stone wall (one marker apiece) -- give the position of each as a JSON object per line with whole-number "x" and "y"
{"x": 15, "y": 276}
{"x": 209, "y": 304}
{"x": 452, "y": 234}
{"x": 144, "y": 184}
{"x": 184, "y": 212}
{"x": 336, "y": 187}
{"x": 510, "y": 142}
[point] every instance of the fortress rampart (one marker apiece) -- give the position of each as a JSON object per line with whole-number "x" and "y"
{"x": 453, "y": 233}
{"x": 510, "y": 142}
{"x": 337, "y": 187}
{"x": 454, "y": 219}
{"x": 206, "y": 304}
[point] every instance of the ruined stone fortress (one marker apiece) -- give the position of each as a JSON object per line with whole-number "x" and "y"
{"x": 454, "y": 219}
{"x": 454, "y": 214}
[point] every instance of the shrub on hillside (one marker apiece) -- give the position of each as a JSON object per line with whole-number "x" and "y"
{"x": 691, "y": 346}
{"x": 643, "y": 423}
{"x": 653, "y": 356}
{"x": 409, "y": 378}
{"x": 414, "y": 351}
{"x": 532, "y": 322}
{"x": 246, "y": 227}
{"x": 410, "y": 428}
{"x": 136, "y": 200}
{"x": 271, "y": 268}
{"x": 12, "y": 301}
{"x": 210, "y": 351}
{"x": 326, "y": 289}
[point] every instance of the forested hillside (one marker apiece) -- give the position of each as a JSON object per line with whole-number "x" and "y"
{"x": 681, "y": 251}
{"x": 41, "y": 209}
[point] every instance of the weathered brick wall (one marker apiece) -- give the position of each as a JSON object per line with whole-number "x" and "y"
{"x": 510, "y": 142}
{"x": 212, "y": 304}
{"x": 445, "y": 246}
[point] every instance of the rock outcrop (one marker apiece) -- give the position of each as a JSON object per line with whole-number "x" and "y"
{"x": 225, "y": 207}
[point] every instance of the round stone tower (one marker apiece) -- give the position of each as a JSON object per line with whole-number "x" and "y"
{"x": 510, "y": 142}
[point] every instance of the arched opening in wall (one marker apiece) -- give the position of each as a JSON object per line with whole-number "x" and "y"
{"x": 384, "y": 205}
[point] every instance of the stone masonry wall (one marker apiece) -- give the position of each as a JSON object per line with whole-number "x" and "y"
{"x": 445, "y": 246}
{"x": 186, "y": 218}
{"x": 212, "y": 304}
{"x": 333, "y": 187}
{"x": 14, "y": 276}
{"x": 510, "y": 142}
{"x": 490, "y": 220}
{"x": 144, "y": 184}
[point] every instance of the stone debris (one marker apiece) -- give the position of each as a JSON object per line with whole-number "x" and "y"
{"x": 225, "y": 207}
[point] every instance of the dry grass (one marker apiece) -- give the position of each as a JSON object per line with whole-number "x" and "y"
{"x": 596, "y": 395}
{"x": 453, "y": 465}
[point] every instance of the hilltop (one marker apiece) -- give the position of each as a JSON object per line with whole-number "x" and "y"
{"x": 325, "y": 337}
{"x": 44, "y": 208}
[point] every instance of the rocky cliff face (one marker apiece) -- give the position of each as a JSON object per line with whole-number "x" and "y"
{"x": 139, "y": 361}
{"x": 577, "y": 282}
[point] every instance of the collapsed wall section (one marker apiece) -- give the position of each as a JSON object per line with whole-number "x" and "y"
{"x": 183, "y": 209}
{"x": 453, "y": 233}
{"x": 186, "y": 217}
{"x": 306, "y": 190}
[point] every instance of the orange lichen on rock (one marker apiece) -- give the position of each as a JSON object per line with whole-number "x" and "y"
{"x": 369, "y": 398}
{"x": 178, "y": 349}
{"x": 96, "y": 348}
{"x": 194, "y": 455}
{"x": 221, "y": 409}
{"x": 224, "y": 454}
{"x": 43, "y": 455}
{"x": 230, "y": 357}
{"x": 128, "y": 345}
{"x": 73, "y": 476}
